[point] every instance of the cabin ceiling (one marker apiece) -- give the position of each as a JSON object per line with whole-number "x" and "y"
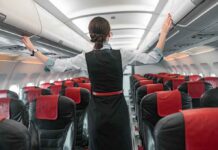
{"x": 129, "y": 19}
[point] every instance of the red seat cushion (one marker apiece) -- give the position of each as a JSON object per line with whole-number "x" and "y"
{"x": 74, "y": 94}
{"x": 151, "y": 88}
{"x": 85, "y": 85}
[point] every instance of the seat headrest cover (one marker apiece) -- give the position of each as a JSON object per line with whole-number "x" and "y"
{"x": 3, "y": 93}
{"x": 45, "y": 85}
{"x": 177, "y": 82}
{"x": 151, "y": 88}
{"x": 47, "y": 107}
{"x": 74, "y": 93}
{"x": 194, "y": 77}
{"x": 144, "y": 82}
{"x": 33, "y": 94}
{"x": 166, "y": 79}
{"x": 27, "y": 88}
{"x": 68, "y": 83}
{"x": 2, "y": 118}
{"x": 196, "y": 89}
{"x": 201, "y": 130}
{"x": 5, "y": 108}
{"x": 55, "y": 89}
{"x": 168, "y": 102}
{"x": 85, "y": 85}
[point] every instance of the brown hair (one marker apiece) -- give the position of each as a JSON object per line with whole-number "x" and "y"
{"x": 99, "y": 29}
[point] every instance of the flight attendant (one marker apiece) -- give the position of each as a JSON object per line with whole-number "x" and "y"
{"x": 108, "y": 116}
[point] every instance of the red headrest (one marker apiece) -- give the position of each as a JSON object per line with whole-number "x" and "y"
{"x": 28, "y": 88}
{"x": 196, "y": 89}
{"x": 77, "y": 80}
{"x": 74, "y": 94}
{"x": 55, "y": 89}
{"x": 168, "y": 102}
{"x": 151, "y": 88}
{"x": 145, "y": 82}
{"x": 212, "y": 80}
{"x": 201, "y": 130}
{"x": 47, "y": 107}
{"x": 177, "y": 82}
{"x": 194, "y": 77}
{"x": 2, "y": 118}
{"x": 45, "y": 85}
{"x": 3, "y": 93}
{"x": 85, "y": 85}
{"x": 5, "y": 108}
{"x": 33, "y": 94}
{"x": 69, "y": 83}
{"x": 166, "y": 79}
{"x": 181, "y": 77}
{"x": 58, "y": 83}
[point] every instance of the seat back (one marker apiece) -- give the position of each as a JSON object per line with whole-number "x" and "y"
{"x": 14, "y": 136}
{"x": 193, "y": 77}
{"x": 81, "y": 97}
{"x": 13, "y": 109}
{"x": 52, "y": 122}
{"x": 212, "y": 80}
{"x": 194, "y": 129}
{"x": 45, "y": 85}
{"x": 210, "y": 98}
{"x": 143, "y": 91}
{"x": 55, "y": 89}
{"x": 195, "y": 89}
{"x": 68, "y": 83}
{"x": 58, "y": 82}
{"x": 8, "y": 94}
{"x": 85, "y": 86}
{"x": 173, "y": 84}
{"x": 31, "y": 94}
{"x": 156, "y": 106}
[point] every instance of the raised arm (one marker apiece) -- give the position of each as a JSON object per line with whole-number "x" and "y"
{"x": 136, "y": 58}
{"x": 164, "y": 31}
{"x": 76, "y": 63}
{"x": 31, "y": 48}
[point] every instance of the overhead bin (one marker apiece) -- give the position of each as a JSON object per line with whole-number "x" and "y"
{"x": 55, "y": 30}
{"x": 196, "y": 29}
{"x": 22, "y": 14}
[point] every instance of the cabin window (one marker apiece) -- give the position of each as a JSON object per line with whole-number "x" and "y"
{"x": 51, "y": 81}
{"x": 213, "y": 75}
{"x": 14, "y": 88}
{"x": 30, "y": 84}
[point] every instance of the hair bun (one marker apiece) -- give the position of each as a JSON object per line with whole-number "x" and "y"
{"x": 97, "y": 38}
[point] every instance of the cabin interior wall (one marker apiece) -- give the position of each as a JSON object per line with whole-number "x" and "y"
{"x": 154, "y": 68}
{"x": 205, "y": 64}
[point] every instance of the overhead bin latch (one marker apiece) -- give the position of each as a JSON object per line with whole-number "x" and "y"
{"x": 2, "y": 17}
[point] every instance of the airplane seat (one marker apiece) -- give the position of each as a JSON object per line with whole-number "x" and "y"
{"x": 58, "y": 82}
{"x": 8, "y": 94}
{"x": 194, "y": 129}
{"x": 46, "y": 85}
{"x": 193, "y": 78}
{"x": 68, "y": 83}
{"x": 81, "y": 97}
{"x": 55, "y": 89}
{"x": 137, "y": 85}
{"x": 13, "y": 109}
{"x": 210, "y": 98}
{"x": 195, "y": 89}
{"x": 143, "y": 91}
{"x": 85, "y": 86}
{"x": 134, "y": 81}
{"x": 52, "y": 123}
{"x": 14, "y": 135}
{"x": 155, "y": 106}
{"x": 173, "y": 84}
{"x": 212, "y": 80}
{"x": 32, "y": 94}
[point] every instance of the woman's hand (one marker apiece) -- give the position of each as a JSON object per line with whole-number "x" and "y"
{"x": 29, "y": 45}
{"x": 164, "y": 31}
{"x": 167, "y": 25}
